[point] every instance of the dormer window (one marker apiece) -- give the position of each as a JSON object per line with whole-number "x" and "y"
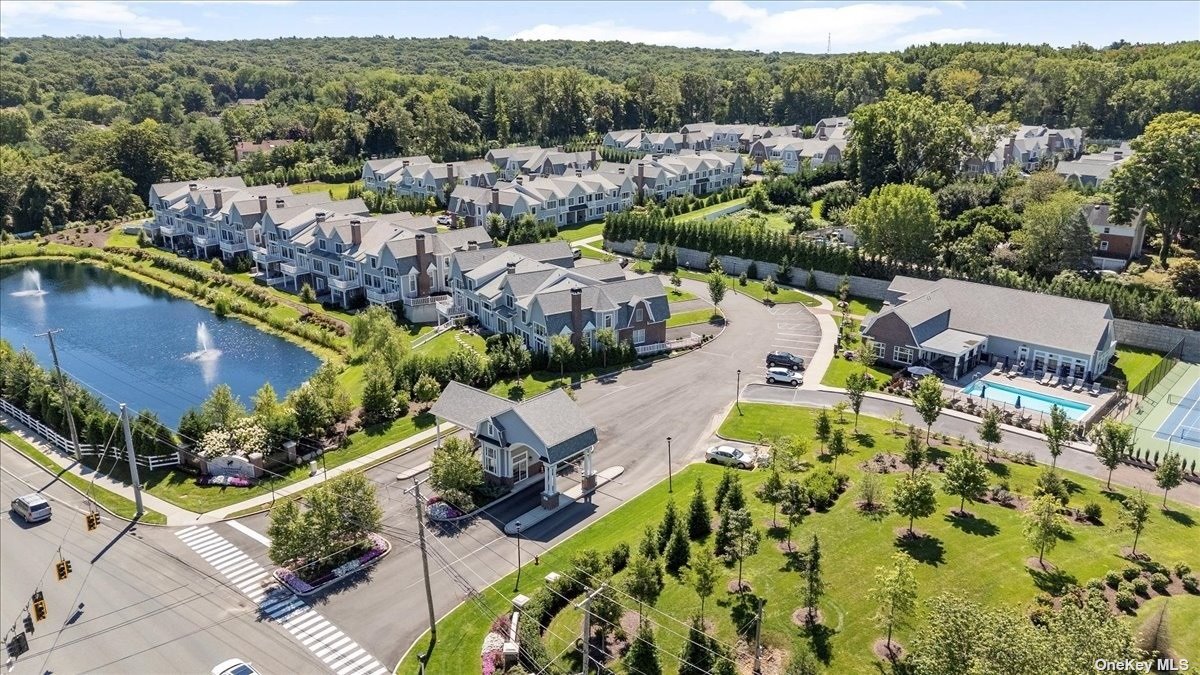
{"x": 338, "y": 248}
{"x": 321, "y": 244}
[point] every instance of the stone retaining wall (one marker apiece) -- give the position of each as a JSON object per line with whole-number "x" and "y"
{"x": 1159, "y": 338}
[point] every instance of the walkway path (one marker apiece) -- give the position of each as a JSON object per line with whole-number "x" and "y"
{"x": 1075, "y": 457}
{"x": 177, "y": 515}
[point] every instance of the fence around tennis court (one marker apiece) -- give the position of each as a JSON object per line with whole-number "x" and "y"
{"x": 1130, "y": 400}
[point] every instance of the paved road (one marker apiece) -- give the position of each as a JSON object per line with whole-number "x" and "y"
{"x": 684, "y": 398}
{"x": 134, "y": 601}
{"x": 1071, "y": 458}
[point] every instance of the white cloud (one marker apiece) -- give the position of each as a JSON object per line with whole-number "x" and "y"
{"x": 27, "y": 16}
{"x": 849, "y": 27}
{"x": 609, "y": 30}
{"x": 949, "y": 35}
{"x": 954, "y": 3}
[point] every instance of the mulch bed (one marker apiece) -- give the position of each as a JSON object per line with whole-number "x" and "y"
{"x": 902, "y": 534}
{"x": 1045, "y": 566}
{"x": 800, "y": 617}
{"x": 883, "y": 463}
{"x": 771, "y": 659}
{"x": 787, "y": 547}
{"x": 885, "y": 653}
{"x": 734, "y": 588}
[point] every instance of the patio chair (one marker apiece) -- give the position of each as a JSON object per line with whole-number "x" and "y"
{"x": 1079, "y": 385}
{"x": 1054, "y": 381}
{"x": 998, "y": 368}
{"x": 1095, "y": 390}
{"x": 1014, "y": 371}
{"x": 1045, "y": 377}
{"x": 1067, "y": 383}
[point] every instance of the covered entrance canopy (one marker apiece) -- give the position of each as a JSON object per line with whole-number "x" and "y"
{"x": 954, "y": 352}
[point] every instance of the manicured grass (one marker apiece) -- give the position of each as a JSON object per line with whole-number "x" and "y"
{"x": 119, "y": 238}
{"x": 839, "y": 368}
{"x": 754, "y": 289}
{"x": 679, "y": 295}
{"x": 593, "y": 254}
{"x": 105, "y": 498}
{"x": 336, "y": 190}
{"x": 446, "y": 343}
{"x": 1181, "y": 623}
{"x": 1133, "y": 364}
{"x": 709, "y": 210}
{"x": 981, "y": 558}
{"x": 697, "y": 316}
{"x": 581, "y": 231}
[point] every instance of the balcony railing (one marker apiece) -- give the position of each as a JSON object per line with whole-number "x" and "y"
{"x": 343, "y": 284}
{"x": 204, "y": 240}
{"x": 233, "y": 246}
{"x": 171, "y": 230}
{"x": 378, "y": 295}
{"x": 290, "y": 268}
{"x": 262, "y": 256}
{"x": 420, "y": 302}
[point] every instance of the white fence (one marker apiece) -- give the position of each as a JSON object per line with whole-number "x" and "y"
{"x": 692, "y": 340}
{"x": 64, "y": 444}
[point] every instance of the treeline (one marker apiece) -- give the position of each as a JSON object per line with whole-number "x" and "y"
{"x": 726, "y": 236}
{"x": 35, "y": 390}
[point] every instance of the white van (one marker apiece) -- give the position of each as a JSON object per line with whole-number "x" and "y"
{"x": 33, "y": 508}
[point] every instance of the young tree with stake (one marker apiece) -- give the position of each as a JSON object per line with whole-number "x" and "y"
{"x": 703, "y": 573}
{"x": 823, "y": 428}
{"x": 1043, "y": 525}
{"x": 989, "y": 429}
{"x": 967, "y": 478}
{"x": 1114, "y": 441}
{"x": 794, "y": 505}
{"x": 1134, "y": 514}
{"x": 914, "y": 450}
{"x": 837, "y": 446}
{"x": 894, "y": 595}
{"x": 814, "y": 586}
{"x": 857, "y": 386}
{"x": 771, "y": 492}
{"x": 744, "y": 539}
{"x": 1057, "y": 431}
{"x": 1169, "y": 474}
{"x": 928, "y": 399}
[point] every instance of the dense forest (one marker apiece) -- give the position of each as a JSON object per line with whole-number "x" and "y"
{"x": 87, "y": 124}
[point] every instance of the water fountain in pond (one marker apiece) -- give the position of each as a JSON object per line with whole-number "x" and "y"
{"x": 206, "y": 354}
{"x": 31, "y": 285}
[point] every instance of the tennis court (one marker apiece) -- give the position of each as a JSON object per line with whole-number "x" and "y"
{"x": 1169, "y": 419}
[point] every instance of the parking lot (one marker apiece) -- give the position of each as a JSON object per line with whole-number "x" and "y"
{"x": 795, "y": 331}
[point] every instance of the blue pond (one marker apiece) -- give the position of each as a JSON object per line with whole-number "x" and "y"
{"x": 138, "y": 344}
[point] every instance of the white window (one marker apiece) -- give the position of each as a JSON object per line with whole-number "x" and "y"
{"x": 639, "y": 336}
{"x": 879, "y": 348}
{"x": 1103, "y": 244}
{"x": 608, "y": 320}
{"x": 902, "y": 355}
{"x": 411, "y": 283}
{"x": 490, "y": 465}
{"x": 637, "y": 316}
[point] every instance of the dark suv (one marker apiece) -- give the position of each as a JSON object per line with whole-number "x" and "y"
{"x": 785, "y": 360}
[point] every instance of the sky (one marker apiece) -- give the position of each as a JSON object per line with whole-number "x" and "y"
{"x": 874, "y": 25}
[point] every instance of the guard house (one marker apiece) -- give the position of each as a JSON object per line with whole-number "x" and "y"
{"x": 520, "y": 440}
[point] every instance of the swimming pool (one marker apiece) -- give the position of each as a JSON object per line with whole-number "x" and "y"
{"x": 1035, "y": 401}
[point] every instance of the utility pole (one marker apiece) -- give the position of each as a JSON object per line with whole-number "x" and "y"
{"x": 133, "y": 470}
{"x": 670, "y": 482}
{"x": 416, "y": 493}
{"x": 62, "y": 388}
{"x": 758, "y": 640}
{"x": 586, "y": 606}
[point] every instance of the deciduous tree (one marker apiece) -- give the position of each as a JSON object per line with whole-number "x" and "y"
{"x": 966, "y": 478}
{"x": 1134, "y": 514}
{"x": 1043, "y": 525}
{"x": 914, "y": 497}
{"x": 894, "y": 594}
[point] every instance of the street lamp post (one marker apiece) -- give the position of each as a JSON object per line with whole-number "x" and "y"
{"x": 518, "y": 586}
{"x": 737, "y": 396}
{"x": 670, "y": 484}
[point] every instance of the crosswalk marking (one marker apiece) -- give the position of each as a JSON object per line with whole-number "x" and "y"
{"x": 340, "y": 654}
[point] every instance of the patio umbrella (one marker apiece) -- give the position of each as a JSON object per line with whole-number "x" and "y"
{"x": 1018, "y": 401}
{"x": 920, "y": 371}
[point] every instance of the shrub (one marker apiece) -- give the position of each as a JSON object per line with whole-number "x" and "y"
{"x": 1092, "y": 511}
{"x": 822, "y": 487}
{"x": 1112, "y": 578}
{"x": 1141, "y": 586}
{"x": 1126, "y": 601}
{"x": 1190, "y": 584}
{"x": 1096, "y": 584}
{"x": 1131, "y": 573}
{"x": 618, "y": 557}
{"x": 742, "y": 279}
{"x": 1181, "y": 569}
{"x": 307, "y": 294}
{"x": 769, "y": 285}
{"x": 1159, "y": 582}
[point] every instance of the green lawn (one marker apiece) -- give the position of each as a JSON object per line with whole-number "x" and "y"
{"x": 754, "y": 289}
{"x": 709, "y": 210}
{"x": 105, "y": 498}
{"x": 696, "y": 316}
{"x": 1182, "y": 620}
{"x": 336, "y": 190}
{"x": 981, "y": 558}
{"x": 679, "y": 295}
{"x": 839, "y": 368}
{"x": 581, "y": 231}
{"x": 593, "y": 254}
{"x": 1134, "y": 364}
{"x": 119, "y": 238}
{"x": 446, "y": 343}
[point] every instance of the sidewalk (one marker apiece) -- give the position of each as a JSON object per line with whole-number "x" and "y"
{"x": 178, "y": 516}
{"x": 826, "y": 348}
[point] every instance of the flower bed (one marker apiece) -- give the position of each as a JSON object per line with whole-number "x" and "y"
{"x": 379, "y": 548}
{"x": 227, "y": 481}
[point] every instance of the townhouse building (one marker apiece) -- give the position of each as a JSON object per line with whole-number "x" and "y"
{"x": 1093, "y": 169}
{"x": 739, "y": 137}
{"x": 537, "y": 161}
{"x": 1029, "y": 148}
{"x": 832, "y": 128}
{"x": 377, "y": 172}
{"x": 792, "y": 153}
{"x": 535, "y": 291}
{"x": 429, "y": 179}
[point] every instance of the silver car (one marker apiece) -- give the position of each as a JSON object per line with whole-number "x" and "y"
{"x": 784, "y": 376}
{"x": 729, "y": 456}
{"x": 32, "y": 508}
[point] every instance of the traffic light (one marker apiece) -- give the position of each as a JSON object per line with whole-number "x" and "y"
{"x": 39, "y": 606}
{"x": 18, "y": 645}
{"x": 62, "y": 568}
{"x": 28, "y": 621}
{"x": 93, "y": 521}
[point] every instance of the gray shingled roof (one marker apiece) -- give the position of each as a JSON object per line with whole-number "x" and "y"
{"x": 467, "y": 406}
{"x": 556, "y": 421}
{"x": 550, "y": 250}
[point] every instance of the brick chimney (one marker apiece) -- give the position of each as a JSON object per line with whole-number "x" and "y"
{"x": 356, "y": 232}
{"x": 576, "y": 316}
{"x": 218, "y": 198}
{"x": 262, "y": 203}
{"x": 595, "y": 159}
{"x": 449, "y": 173}
{"x": 423, "y": 281}
{"x": 495, "y": 208}
{"x": 641, "y": 180}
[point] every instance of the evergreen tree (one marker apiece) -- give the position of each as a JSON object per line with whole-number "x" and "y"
{"x": 837, "y": 446}
{"x": 678, "y": 551}
{"x": 696, "y": 658}
{"x": 814, "y": 586}
{"x": 642, "y": 657}
{"x": 723, "y": 487}
{"x": 824, "y": 427}
{"x": 670, "y": 523}
{"x": 648, "y": 548}
{"x": 699, "y": 516}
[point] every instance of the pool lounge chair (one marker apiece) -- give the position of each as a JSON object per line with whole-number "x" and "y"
{"x": 1045, "y": 377}
{"x": 1054, "y": 380}
{"x": 997, "y": 368}
{"x": 1068, "y": 382}
{"x": 1079, "y": 385}
{"x": 1095, "y": 390}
